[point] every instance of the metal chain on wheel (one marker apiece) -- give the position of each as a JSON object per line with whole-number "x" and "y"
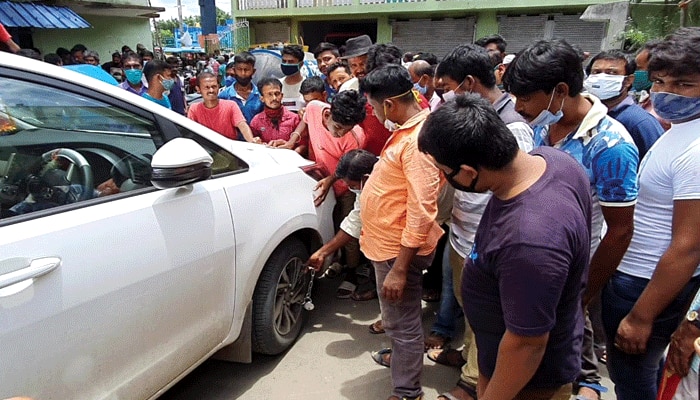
{"x": 308, "y": 304}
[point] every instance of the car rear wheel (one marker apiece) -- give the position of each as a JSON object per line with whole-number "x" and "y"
{"x": 278, "y": 312}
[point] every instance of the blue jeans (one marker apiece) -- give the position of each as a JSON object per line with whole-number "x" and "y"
{"x": 450, "y": 311}
{"x": 636, "y": 377}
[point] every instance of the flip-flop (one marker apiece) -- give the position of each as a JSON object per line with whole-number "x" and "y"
{"x": 376, "y": 328}
{"x": 365, "y": 295}
{"x": 378, "y": 357}
{"x": 345, "y": 290}
{"x": 449, "y": 357}
{"x": 437, "y": 341}
{"x": 333, "y": 271}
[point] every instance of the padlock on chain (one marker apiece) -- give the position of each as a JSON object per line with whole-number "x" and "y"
{"x": 308, "y": 304}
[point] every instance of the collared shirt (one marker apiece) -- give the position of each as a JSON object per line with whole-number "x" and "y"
{"x": 164, "y": 101}
{"x": 125, "y": 85}
{"x": 399, "y": 199}
{"x": 352, "y": 223}
{"x": 609, "y": 156}
{"x": 435, "y": 102}
{"x": 224, "y": 118}
{"x": 262, "y": 126}
{"x": 250, "y": 107}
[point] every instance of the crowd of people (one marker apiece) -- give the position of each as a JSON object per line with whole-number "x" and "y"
{"x": 554, "y": 200}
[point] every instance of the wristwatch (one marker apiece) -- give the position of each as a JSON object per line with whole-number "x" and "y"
{"x": 693, "y": 317}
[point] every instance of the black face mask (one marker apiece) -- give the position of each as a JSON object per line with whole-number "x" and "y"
{"x": 469, "y": 189}
{"x": 243, "y": 81}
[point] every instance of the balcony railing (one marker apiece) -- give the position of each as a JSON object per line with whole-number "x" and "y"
{"x": 282, "y": 4}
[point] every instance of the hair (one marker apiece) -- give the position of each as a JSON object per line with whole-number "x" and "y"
{"x": 497, "y": 39}
{"x": 126, "y": 48}
{"x": 468, "y": 131}
{"x": 154, "y": 68}
{"x": 147, "y": 53}
{"x": 53, "y": 58}
{"x": 244, "y": 57}
{"x": 325, "y": 46}
{"x": 78, "y": 47}
{"x": 117, "y": 54}
{"x": 467, "y": 59}
{"x": 408, "y": 56}
{"x": 430, "y": 58}
{"x": 542, "y": 66}
{"x": 420, "y": 69}
{"x": 678, "y": 54}
{"x": 29, "y": 53}
{"x": 131, "y": 55}
{"x": 386, "y": 82}
{"x": 172, "y": 60}
{"x": 267, "y": 82}
{"x": 348, "y": 108}
{"x": 355, "y": 164}
{"x": 312, "y": 84}
{"x": 380, "y": 55}
{"x": 340, "y": 64}
{"x": 62, "y": 51}
{"x": 91, "y": 53}
{"x": 630, "y": 64}
{"x": 294, "y": 50}
{"x": 203, "y": 75}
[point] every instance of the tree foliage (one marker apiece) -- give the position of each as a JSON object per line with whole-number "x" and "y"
{"x": 172, "y": 24}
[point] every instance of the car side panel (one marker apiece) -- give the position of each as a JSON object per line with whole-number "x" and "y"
{"x": 143, "y": 292}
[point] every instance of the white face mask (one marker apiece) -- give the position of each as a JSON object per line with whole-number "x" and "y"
{"x": 356, "y": 191}
{"x": 390, "y": 125}
{"x": 604, "y": 86}
{"x": 449, "y": 96}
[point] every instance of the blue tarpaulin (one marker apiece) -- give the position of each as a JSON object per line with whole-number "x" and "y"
{"x": 34, "y": 15}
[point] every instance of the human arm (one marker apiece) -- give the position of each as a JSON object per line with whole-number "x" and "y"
{"x": 607, "y": 257}
{"x": 673, "y": 271}
{"x": 323, "y": 187}
{"x": 514, "y": 365}
{"x": 247, "y": 133}
{"x": 339, "y": 240}
{"x": 395, "y": 280}
{"x": 294, "y": 137}
{"x": 6, "y": 38}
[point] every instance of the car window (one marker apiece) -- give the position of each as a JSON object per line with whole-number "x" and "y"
{"x": 59, "y": 147}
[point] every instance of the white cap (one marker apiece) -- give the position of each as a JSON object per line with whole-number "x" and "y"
{"x": 508, "y": 59}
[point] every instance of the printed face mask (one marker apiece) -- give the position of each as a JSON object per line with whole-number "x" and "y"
{"x": 675, "y": 108}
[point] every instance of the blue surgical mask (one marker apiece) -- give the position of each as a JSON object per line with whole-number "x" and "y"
{"x": 422, "y": 90}
{"x": 289, "y": 69}
{"x": 168, "y": 83}
{"x": 641, "y": 81}
{"x": 229, "y": 80}
{"x": 675, "y": 108}
{"x": 133, "y": 76}
{"x": 546, "y": 118}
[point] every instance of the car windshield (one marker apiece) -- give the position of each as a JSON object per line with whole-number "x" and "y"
{"x": 26, "y": 106}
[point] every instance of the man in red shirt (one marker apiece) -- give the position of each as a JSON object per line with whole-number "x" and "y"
{"x": 275, "y": 124}
{"x": 6, "y": 42}
{"x": 222, "y": 116}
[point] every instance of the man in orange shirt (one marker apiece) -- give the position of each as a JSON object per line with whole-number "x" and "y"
{"x": 399, "y": 232}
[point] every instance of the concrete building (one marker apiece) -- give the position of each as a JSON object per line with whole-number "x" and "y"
{"x": 432, "y": 25}
{"x": 101, "y": 25}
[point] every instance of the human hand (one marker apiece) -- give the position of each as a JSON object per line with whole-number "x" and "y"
{"x": 301, "y": 113}
{"x": 393, "y": 286}
{"x": 107, "y": 187}
{"x": 323, "y": 186}
{"x": 633, "y": 334}
{"x": 681, "y": 349}
{"x": 316, "y": 260}
{"x": 256, "y": 140}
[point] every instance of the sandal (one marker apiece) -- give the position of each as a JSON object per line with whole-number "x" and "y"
{"x": 376, "y": 328}
{"x": 333, "y": 271}
{"x": 365, "y": 295}
{"x": 364, "y": 274}
{"x": 449, "y": 357}
{"x": 436, "y": 341}
{"x": 345, "y": 290}
{"x": 378, "y": 357}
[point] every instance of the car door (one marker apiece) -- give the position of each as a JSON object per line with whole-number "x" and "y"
{"x": 101, "y": 296}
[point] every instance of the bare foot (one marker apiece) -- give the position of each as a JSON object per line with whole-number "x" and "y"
{"x": 435, "y": 341}
{"x": 456, "y": 393}
{"x": 588, "y": 393}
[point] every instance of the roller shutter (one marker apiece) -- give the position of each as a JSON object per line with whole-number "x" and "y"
{"x": 587, "y": 35}
{"x": 520, "y": 31}
{"x": 438, "y": 36}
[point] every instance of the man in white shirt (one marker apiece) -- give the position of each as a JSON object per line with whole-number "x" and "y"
{"x": 292, "y": 60}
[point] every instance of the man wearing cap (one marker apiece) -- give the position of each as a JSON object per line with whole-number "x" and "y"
{"x": 500, "y": 70}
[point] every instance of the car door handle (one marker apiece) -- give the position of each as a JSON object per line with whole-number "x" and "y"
{"x": 15, "y": 270}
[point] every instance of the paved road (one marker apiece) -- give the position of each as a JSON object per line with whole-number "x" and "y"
{"x": 330, "y": 361}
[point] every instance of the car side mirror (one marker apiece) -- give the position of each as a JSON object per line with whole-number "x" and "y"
{"x": 180, "y": 162}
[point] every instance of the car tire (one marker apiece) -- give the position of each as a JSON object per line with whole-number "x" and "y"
{"x": 278, "y": 312}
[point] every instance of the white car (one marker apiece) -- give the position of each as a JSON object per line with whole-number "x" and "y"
{"x": 109, "y": 295}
